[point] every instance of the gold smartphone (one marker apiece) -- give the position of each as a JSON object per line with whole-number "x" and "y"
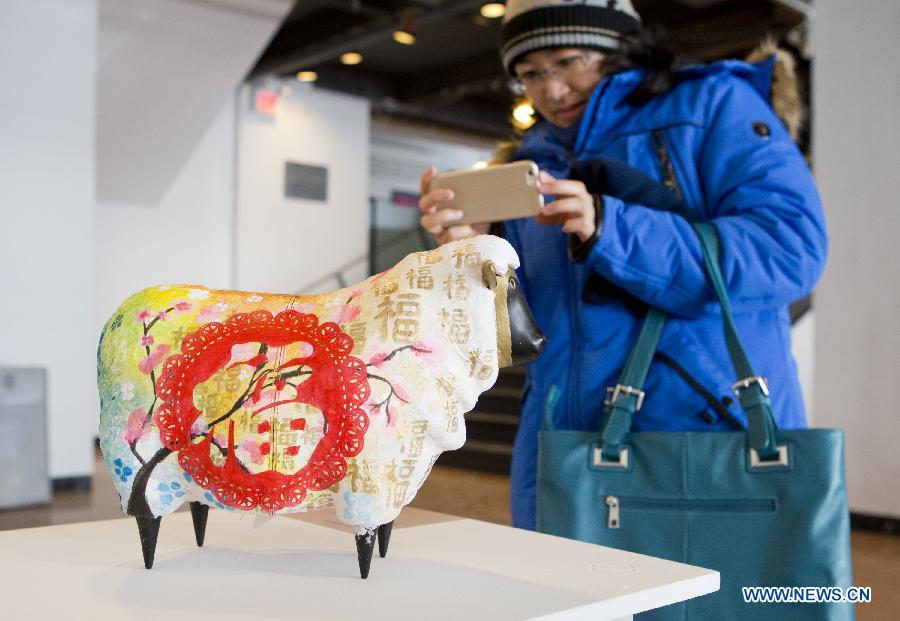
{"x": 493, "y": 194}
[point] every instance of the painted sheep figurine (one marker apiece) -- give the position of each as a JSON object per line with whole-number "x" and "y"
{"x": 283, "y": 403}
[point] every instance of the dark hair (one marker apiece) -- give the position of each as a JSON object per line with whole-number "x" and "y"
{"x": 648, "y": 49}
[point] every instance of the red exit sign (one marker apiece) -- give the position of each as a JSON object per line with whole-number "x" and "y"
{"x": 265, "y": 102}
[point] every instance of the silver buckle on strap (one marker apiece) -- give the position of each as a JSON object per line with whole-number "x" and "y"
{"x": 781, "y": 460}
{"x": 747, "y": 382}
{"x": 599, "y": 462}
{"x": 613, "y": 393}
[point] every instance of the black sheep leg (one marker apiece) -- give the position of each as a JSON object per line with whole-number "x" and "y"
{"x": 384, "y": 537}
{"x": 365, "y": 544}
{"x": 148, "y": 528}
{"x": 199, "y": 513}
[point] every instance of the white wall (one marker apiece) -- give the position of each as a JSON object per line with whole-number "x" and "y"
{"x": 284, "y": 244}
{"x": 48, "y": 70}
{"x": 165, "y": 68}
{"x": 185, "y": 238}
{"x": 401, "y": 151}
{"x": 857, "y": 157}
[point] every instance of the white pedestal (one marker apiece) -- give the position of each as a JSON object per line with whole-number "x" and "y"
{"x": 438, "y": 567}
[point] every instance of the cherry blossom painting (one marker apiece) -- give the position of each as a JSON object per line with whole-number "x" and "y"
{"x": 277, "y": 403}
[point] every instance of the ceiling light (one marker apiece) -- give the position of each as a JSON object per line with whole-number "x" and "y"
{"x": 404, "y": 37}
{"x": 479, "y": 165}
{"x": 493, "y": 10}
{"x": 307, "y": 76}
{"x": 351, "y": 58}
{"x": 523, "y": 115}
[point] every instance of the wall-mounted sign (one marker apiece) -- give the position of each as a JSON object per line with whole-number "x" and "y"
{"x": 266, "y": 102}
{"x": 399, "y": 198}
{"x": 305, "y": 182}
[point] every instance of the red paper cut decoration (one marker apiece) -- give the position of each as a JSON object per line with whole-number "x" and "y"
{"x": 337, "y": 386}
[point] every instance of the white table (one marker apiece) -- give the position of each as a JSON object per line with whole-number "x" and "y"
{"x": 438, "y": 567}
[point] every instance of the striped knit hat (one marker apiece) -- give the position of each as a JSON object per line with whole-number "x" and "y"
{"x": 531, "y": 25}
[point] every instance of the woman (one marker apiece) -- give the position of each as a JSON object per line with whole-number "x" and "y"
{"x": 599, "y": 254}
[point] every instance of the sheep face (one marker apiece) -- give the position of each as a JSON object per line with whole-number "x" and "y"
{"x": 519, "y": 339}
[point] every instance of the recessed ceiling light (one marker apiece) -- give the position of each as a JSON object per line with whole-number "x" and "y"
{"x": 307, "y": 76}
{"x": 351, "y": 58}
{"x": 404, "y": 37}
{"x": 492, "y": 10}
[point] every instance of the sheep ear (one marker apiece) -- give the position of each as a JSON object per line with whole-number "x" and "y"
{"x": 489, "y": 275}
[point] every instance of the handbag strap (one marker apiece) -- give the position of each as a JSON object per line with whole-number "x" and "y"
{"x": 626, "y": 397}
{"x": 750, "y": 389}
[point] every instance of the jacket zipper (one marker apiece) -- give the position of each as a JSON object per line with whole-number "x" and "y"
{"x": 696, "y": 505}
{"x": 665, "y": 161}
{"x": 575, "y": 374}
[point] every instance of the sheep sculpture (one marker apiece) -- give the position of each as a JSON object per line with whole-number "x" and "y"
{"x": 273, "y": 403}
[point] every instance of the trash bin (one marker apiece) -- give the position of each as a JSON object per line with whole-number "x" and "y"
{"x": 24, "y": 476}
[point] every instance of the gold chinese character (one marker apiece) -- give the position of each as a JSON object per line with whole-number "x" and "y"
{"x": 358, "y": 334}
{"x": 385, "y": 313}
{"x": 430, "y": 257}
{"x": 387, "y": 287}
{"x": 400, "y": 493}
{"x": 406, "y": 330}
{"x": 456, "y": 286}
{"x": 407, "y": 467}
{"x": 424, "y": 280}
{"x": 459, "y": 328}
{"x": 466, "y": 256}
{"x": 480, "y": 366}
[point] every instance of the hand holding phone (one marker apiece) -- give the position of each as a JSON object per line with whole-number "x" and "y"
{"x": 443, "y": 223}
{"x": 492, "y": 194}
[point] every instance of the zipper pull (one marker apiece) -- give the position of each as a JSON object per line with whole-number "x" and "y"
{"x": 613, "y": 503}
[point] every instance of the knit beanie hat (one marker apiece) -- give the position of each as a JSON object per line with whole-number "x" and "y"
{"x": 531, "y": 25}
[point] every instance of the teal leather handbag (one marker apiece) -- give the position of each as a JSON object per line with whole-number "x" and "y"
{"x": 762, "y": 506}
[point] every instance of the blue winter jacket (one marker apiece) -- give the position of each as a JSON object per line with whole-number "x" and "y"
{"x": 752, "y": 184}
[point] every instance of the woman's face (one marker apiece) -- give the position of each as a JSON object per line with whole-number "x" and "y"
{"x": 560, "y": 81}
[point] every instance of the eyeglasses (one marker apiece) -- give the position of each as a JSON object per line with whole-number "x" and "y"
{"x": 564, "y": 69}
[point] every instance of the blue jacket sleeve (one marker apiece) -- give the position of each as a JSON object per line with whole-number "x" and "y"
{"x": 759, "y": 194}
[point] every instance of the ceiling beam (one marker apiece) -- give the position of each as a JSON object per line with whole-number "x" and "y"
{"x": 464, "y": 116}
{"x": 377, "y": 31}
{"x": 472, "y": 75}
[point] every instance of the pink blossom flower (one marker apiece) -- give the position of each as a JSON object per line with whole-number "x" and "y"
{"x": 209, "y": 313}
{"x": 161, "y": 315}
{"x": 135, "y": 426}
{"x": 377, "y": 359}
{"x": 183, "y": 306}
{"x": 344, "y": 313}
{"x": 143, "y": 315}
{"x": 251, "y": 451}
{"x": 428, "y": 353}
{"x": 199, "y": 427}
{"x": 400, "y": 391}
{"x": 147, "y": 340}
{"x": 152, "y": 361}
{"x": 243, "y": 351}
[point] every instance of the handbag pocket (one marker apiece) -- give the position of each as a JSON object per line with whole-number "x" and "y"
{"x": 619, "y": 507}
